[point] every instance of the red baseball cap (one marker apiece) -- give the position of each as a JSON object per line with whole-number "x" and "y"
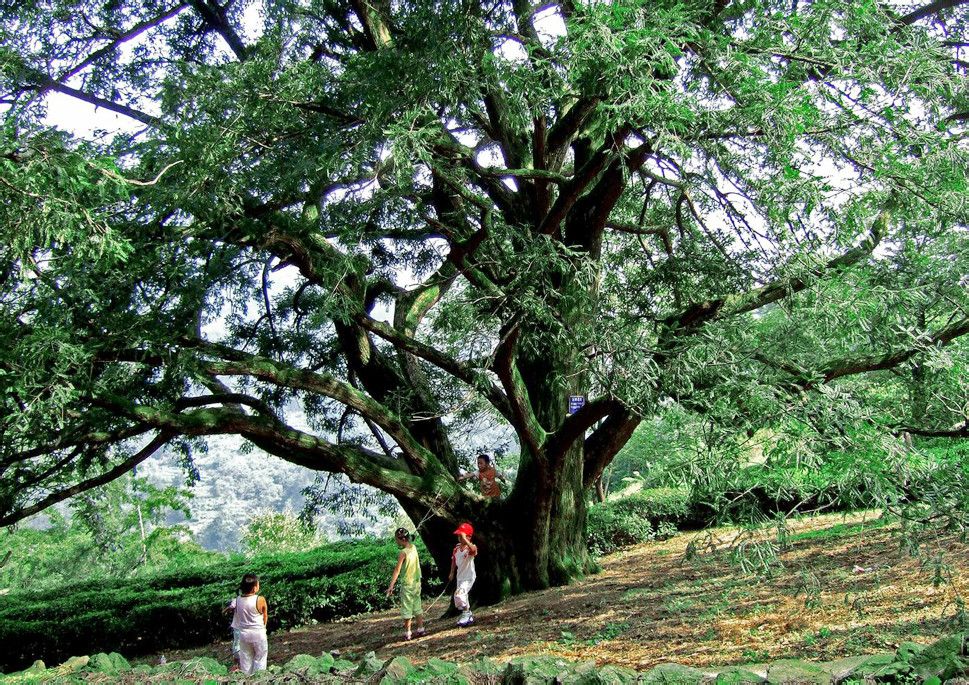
{"x": 466, "y": 529}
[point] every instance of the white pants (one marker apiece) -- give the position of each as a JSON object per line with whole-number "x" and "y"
{"x": 253, "y": 650}
{"x": 461, "y": 594}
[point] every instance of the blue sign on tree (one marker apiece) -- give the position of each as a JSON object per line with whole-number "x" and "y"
{"x": 575, "y": 403}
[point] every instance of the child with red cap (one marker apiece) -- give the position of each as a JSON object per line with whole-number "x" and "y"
{"x": 462, "y": 568}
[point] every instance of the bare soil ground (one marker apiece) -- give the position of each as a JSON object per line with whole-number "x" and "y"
{"x": 844, "y": 586}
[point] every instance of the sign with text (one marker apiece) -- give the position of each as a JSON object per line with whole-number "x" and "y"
{"x": 575, "y": 403}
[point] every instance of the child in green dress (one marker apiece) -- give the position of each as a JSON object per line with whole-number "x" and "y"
{"x": 409, "y": 571}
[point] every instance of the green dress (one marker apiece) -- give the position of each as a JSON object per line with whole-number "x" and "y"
{"x": 410, "y": 584}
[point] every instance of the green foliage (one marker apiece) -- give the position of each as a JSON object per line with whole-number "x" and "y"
{"x": 185, "y": 608}
{"x": 607, "y": 531}
{"x": 939, "y": 485}
{"x": 943, "y": 661}
{"x": 54, "y": 192}
{"x": 656, "y": 505}
{"x": 657, "y": 454}
{"x": 116, "y": 530}
{"x": 794, "y": 467}
{"x": 645, "y": 516}
{"x": 272, "y": 531}
{"x": 109, "y": 664}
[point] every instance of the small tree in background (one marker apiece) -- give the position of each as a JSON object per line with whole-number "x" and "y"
{"x": 274, "y": 531}
{"x": 119, "y": 529}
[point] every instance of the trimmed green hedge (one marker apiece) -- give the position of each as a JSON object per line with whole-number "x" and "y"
{"x": 641, "y": 517}
{"x": 758, "y": 492}
{"x": 184, "y": 609}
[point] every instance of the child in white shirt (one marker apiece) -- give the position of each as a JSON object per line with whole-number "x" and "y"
{"x": 462, "y": 568}
{"x": 250, "y": 614}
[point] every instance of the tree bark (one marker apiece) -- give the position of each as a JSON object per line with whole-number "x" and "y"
{"x": 523, "y": 545}
{"x": 600, "y": 490}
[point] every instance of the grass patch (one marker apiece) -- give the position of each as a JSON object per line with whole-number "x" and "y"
{"x": 610, "y": 631}
{"x": 840, "y": 530}
{"x": 678, "y": 605}
{"x": 636, "y": 593}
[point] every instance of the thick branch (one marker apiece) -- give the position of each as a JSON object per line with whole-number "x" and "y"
{"x": 229, "y": 399}
{"x": 514, "y": 146}
{"x": 605, "y": 442}
{"x": 587, "y": 222}
{"x": 214, "y": 17}
{"x": 358, "y": 463}
{"x": 532, "y": 174}
{"x": 960, "y": 430}
{"x": 93, "y": 439}
{"x": 373, "y": 17}
{"x": 561, "y": 135}
{"x": 118, "y": 41}
{"x": 583, "y": 178}
{"x": 574, "y": 427}
{"x": 119, "y": 470}
{"x": 470, "y": 375}
{"x": 244, "y": 364}
{"x": 929, "y": 10}
{"x": 102, "y": 102}
{"x": 703, "y": 312}
{"x": 522, "y": 416}
{"x": 850, "y": 367}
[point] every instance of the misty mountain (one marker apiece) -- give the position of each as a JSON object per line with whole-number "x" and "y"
{"x": 236, "y": 482}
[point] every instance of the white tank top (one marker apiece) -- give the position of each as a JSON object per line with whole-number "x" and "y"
{"x": 245, "y": 616}
{"x": 464, "y": 564}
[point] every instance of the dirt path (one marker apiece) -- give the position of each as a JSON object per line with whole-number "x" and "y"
{"x": 840, "y": 593}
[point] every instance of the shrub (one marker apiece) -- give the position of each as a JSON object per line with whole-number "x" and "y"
{"x": 608, "y": 530}
{"x": 657, "y": 505}
{"x": 277, "y": 531}
{"x": 185, "y": 608}
{"x": 641, "y": 517}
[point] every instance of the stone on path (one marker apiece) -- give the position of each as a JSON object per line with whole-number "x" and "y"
{"x": 673, "y": 674}
{"x": 796, "y": 671}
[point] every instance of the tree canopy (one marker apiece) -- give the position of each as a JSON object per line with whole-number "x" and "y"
{"x": 352, "y": 232}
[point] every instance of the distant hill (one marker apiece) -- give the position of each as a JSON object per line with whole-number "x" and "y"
{"x": 235, "y": 483}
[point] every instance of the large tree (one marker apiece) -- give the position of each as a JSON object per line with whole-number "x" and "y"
{"x": 403, "y": 217}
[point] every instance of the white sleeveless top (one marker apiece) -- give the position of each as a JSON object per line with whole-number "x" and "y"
{"x": 463, "y": 564}
{"x": 245, "y": 616}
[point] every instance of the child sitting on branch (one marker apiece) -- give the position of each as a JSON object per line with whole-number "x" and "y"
{"x": 487, "y": 477}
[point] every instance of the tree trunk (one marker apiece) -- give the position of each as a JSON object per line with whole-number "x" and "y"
{"x": 600, "y": 490}
{"x": 533, "y": 540}
{"x": 536, "y": 537}
{"x": 511, "y": 560}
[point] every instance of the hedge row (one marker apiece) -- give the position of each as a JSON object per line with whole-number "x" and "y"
{"x": 185, "y": 609}
{"x": 659, "y": 513}
{"x": 641, "y": 517}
